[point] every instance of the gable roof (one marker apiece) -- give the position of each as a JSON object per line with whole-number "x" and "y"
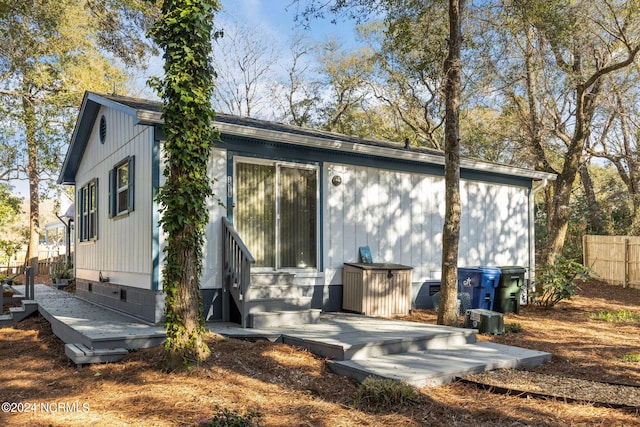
{"x": 149, "y": 112}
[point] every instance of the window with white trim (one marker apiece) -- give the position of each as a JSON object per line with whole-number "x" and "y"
{"x": 121, "y": 185}
{"x": 88, "y": 211}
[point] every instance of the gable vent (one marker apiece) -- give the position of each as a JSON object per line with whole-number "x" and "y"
{"x": 103, "y": 129}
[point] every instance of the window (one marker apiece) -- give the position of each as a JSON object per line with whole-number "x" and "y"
{"x": 121, "y": 188}
{"x": 88, "y": 211}
{"x": 276, "y": 213}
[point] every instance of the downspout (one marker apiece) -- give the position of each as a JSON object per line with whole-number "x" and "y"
{"x": 67, "y": 238}
{"x": 532, "y": 236}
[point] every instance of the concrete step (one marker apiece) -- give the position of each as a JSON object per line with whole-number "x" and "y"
{"x": 80, "y": 354}
{"x": 283, "y": 318}
{"x": 360, "y": 344}
{"x": 440, "y": 366}
{"x": 271, "y": 278}
{"x": 278, "y": 304}
{"x": 289, "y": 290}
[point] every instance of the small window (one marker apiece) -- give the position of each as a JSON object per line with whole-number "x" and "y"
{"x": 121, "y": 195}
{"x": 88, "y": 211}
{"x": 103, "y": 129}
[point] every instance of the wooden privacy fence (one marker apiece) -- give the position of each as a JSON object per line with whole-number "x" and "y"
{"x": 45, "y": 266}
{"x": 616, "y": 259}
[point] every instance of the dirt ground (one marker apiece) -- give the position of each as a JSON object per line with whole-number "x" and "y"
{"x": 291, "y": 387}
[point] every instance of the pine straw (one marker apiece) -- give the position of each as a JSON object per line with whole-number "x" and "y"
{"x": 291, "y": 387}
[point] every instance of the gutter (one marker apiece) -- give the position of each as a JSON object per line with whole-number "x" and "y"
{"x": 389, "y": 152}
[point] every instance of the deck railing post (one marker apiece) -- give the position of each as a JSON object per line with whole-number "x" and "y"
{"x": 29, "y": 288}
{"x": 236, "y": 261}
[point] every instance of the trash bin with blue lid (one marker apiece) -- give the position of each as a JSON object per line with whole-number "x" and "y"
{"x": 480, "y": 283}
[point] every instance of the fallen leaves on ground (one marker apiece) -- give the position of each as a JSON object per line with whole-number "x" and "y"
{"x": 291, "y": 387}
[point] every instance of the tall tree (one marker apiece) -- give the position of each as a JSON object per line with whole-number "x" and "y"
{"x": 411, "y": 46}
{"x": 452, "y": 77}
{"x": 49, "y": 55}
{"x": 619, "y": 139}
{"x": 551, "y": 63}
{"x": 244, "y": 63}
{"x": 184, "y": 33}
{"x": 298, "y": 94}
{"x": 10, "y": 209}
{"x": 447, "y": 311}
{"x": 344, "y": 77}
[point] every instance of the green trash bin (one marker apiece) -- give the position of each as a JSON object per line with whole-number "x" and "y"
{"x": 507, "y": 294}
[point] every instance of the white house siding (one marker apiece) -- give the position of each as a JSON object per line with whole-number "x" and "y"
{"x": 400, "y": 216}
{"x": 212, "y": 263}
{"x": 122, "y": 251}
{"x": 494, "y": 226}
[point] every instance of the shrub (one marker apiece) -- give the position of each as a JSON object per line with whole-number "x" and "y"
{"x": 384, "y": 393}
{"x": 631, "y": 357}
{"x": 556, "y": 282}
{"x": 616, "y": 316}
{"x": 62, "y": 270}
{"x": 513, "y": 328}
{"x": 227, "y": 418}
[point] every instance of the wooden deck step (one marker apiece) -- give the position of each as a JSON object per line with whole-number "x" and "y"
{"x": 16, "y": 314}
{"x": 80, "y": 354}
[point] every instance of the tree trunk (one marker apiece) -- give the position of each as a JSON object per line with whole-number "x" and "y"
{"x": 186, "y": 89}
{"x": 34, "y": 181}
{"x": 595, "y": 220}
{"x": 188, "y": 347}
{"x": 560, "y": 209}
{"x": 447, "y": 312}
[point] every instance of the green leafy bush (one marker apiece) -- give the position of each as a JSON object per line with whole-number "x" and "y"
{"x": 228, "y": 418}
{"x": 384, "y": 393}
{"x": 557, "y": 282}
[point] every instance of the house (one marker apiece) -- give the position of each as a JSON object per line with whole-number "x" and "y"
{"x": 293, "y": 204}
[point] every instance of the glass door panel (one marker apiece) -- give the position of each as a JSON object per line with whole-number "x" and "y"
{"x": 298, "y": 212}
{"x": 255, "y": 210}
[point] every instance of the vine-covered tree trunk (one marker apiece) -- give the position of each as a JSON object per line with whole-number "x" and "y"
{"x": 447, "y": 312}
{"x": 184, "y": 33}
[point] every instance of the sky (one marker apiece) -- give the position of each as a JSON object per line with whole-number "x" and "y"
{"x": 279, "y": 17}
{"x": 273, "y": 18}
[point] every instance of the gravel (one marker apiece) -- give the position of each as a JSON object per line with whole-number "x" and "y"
{"x": 561, "y": 387}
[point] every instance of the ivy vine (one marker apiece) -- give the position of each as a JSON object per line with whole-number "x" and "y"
{"x": 184, "y": 32}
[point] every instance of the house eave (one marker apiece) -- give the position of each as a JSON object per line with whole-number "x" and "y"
{"x": 151, "y": 117}
{"x": 324, "y": 141}
{"x": 386, "y": 152}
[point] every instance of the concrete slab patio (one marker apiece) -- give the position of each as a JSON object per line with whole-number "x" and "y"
{"x": 356, "y": 346}
{"x": 417, "y": 353}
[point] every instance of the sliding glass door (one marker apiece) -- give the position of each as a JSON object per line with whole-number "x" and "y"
{"x": 276, "y": 213}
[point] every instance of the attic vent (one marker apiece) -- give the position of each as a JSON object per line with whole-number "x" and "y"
{"x": 103, "y": 129}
